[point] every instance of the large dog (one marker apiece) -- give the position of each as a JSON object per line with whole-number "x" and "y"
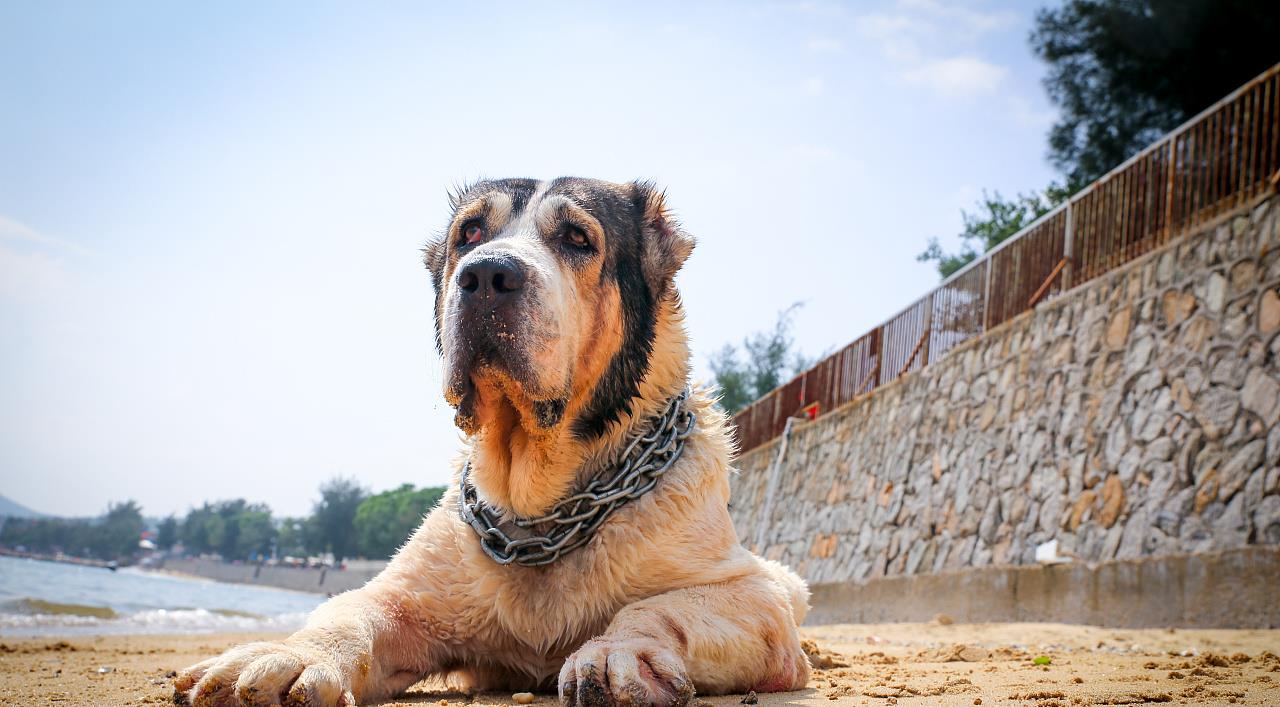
{"x": 586, "y": 542}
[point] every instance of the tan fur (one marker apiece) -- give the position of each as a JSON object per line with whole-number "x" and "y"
{"x": 663, "y": 601}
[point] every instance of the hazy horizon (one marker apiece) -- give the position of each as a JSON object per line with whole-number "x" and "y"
{"x": 211, "y": 216}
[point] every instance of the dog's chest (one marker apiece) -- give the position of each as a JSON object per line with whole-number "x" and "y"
{"x": 553, "y": 610}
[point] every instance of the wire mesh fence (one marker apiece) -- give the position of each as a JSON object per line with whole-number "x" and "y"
{"x": 1223, "y": 158}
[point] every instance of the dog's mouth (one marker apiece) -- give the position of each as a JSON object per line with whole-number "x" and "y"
{"x": 488, "y": 396}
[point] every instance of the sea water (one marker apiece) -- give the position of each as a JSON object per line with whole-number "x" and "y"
{"x": 52, "y": 598}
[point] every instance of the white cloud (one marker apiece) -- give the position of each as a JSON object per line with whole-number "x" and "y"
{"x": 806, "y": 154}
{"x": 959, "y": 18}
{"x": 963, "y": 197}
{"x": 23, "y": 275}
{"x": 31, "y": 262}
{"x": 880, "y": 26}
{"x": 1029, "y": 116}
{"x": 914, "y": 24}
{"x": 825, "y": 45}
{"x": 13, "y": 230}
{"x": 958, "y": 77}
{"x": 813, "y": 86}
{"x": 819, "y": 9}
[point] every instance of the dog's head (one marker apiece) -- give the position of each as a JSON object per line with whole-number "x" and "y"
{"x": 548, "y": 301}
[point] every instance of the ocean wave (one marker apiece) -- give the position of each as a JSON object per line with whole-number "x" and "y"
{"x": 31, "y": 606}
{"x": 151, "y": 621}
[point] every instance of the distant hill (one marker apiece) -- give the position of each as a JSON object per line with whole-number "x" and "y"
{"x": 13, "y": 509}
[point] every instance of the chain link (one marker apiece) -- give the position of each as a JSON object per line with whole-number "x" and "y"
{"x": 573, "y": 520}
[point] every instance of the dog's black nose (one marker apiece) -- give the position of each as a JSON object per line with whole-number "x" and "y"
{"x": 491, "y": 277}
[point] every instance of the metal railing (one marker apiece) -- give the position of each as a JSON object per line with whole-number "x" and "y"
{"x": 1226, "y": 156}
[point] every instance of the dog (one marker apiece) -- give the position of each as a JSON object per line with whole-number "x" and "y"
{"x": 567, "y": 362}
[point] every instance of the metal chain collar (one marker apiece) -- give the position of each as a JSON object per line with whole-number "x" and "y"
{"x": 573, "y": 520}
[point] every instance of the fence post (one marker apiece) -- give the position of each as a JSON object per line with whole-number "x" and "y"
{"x": 928, "y": 330}
{"x": 986, "y": 294}
{"x": 1067, "y": 249}
{"x": 879, "y": 357}
{"x": 1171, "y": 163}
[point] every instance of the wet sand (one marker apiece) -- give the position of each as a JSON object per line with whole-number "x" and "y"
{"x": 884, "y": 664}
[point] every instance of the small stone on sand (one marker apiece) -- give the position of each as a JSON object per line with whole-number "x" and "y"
{"x": 522, "y": 698}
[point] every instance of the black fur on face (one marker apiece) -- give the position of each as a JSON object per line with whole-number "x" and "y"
{"x": 436, "y": 254}
{"x": 643, "y": 249}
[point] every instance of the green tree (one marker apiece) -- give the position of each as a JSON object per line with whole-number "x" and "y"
{"x": 994, "y": 221}
{"x": 234, "y": 529}
{"x": 385, "y": 520}
{"x": 766, "y": 360}
{"x": 255, "y": 532}
{"x": 204, "y": 529}
{"x": 1124, "y": 72}
{"x": 116, "y": 536}
{"x": 335, "y": 515}
{"x": 74, "y": 536}
{"x": 167, "y": 533}
{"x": 296, "y": 537}
{"x": 194, "y": 531}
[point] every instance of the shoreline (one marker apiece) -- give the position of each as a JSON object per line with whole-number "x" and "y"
{"x": 325, "y": 581}
{"x": 935, "y": 663}
{"x": 179, "y": 574}
{"x": 62, "y": 559}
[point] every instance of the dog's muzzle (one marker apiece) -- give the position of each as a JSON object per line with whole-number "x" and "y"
{"x": 491, "y": 284}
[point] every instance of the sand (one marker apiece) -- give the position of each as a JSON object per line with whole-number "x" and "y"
{"x": 887, "y": 664}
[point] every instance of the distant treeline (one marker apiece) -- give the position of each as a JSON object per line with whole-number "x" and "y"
{"x": 114, "y": 536}
{"x": 347, "y": 521}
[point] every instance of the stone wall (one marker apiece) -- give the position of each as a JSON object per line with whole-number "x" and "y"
{"x": 1133, "y": 416}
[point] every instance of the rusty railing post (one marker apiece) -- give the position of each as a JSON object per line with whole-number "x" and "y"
{"x": 1067, "y": 247}
{"x": 1171, "y": 164}
{"x": 986, "y": 294}
{"x": 928, "y": 328}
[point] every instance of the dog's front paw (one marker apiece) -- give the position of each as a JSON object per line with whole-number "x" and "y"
{"x": 621, "y": 672}
{"x": 263, "y": 674}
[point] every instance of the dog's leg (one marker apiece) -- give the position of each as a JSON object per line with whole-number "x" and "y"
{"x": 732, "y": 636}
{"x": 363, "y": 645}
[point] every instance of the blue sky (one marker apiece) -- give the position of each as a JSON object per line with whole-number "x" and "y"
{"x": 210, "y": 214}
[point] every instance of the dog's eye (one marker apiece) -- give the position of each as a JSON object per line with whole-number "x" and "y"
{"x": 472, "y": 233}
{"x": 576, "y": 237}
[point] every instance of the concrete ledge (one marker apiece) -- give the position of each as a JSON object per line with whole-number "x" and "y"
{"x": 1228, "y": 589}
{"x": 320, "y": 581}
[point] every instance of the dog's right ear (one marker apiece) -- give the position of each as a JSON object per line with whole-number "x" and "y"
{"x": 433, "y": 256}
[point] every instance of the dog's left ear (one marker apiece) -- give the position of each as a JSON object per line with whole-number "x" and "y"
{"x": 665, "y": 244}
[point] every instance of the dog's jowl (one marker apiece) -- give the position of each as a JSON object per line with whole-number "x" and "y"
{"x": 585, "y": 545}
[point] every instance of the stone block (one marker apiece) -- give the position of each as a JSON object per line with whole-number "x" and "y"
{"x": 1113, "y": 500}
{"x": 1118, "y": 328}
{"x": 1266, "y": 520}
{"x": 1268, "y": 312}
{"x": 1261, "y": 396}
{"x": 1236, "y": 471}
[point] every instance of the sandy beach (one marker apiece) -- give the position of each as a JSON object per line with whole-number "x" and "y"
{"x": 905, "y": 664}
